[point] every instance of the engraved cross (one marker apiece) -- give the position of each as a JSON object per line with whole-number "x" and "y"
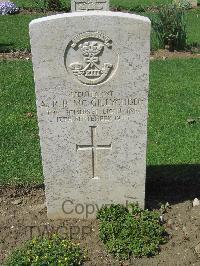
{"x": 93, "y": 147}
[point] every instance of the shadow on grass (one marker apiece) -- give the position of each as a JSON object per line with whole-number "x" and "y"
{"x": 164, "y": 183}
{"x": 172, "y": 183}
{"x": 6, "y": 47}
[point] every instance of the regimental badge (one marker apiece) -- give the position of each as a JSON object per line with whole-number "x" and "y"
{"x": 96, "y": 59}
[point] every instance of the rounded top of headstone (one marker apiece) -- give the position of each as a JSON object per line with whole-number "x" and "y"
{"x": 146, "y": 20}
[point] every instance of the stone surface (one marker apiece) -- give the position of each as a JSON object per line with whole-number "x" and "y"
{"x": 16, "y": 202}
{"x": 195, "y": 202}
{"x": 89, "y": 5}
{"x": 192, "y": 2}
{"x": 91, "y": 74}
{"x": 197, "y": 250}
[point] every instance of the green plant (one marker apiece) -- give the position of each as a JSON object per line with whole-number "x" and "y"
{"x": 170, "y": 27}
{"x": 53, "y": 4}
{"x": 39, "y": 5}
{"x": 47, "y": 251}
{"x": 131, "y": 8}
{"x": 194, "y": 48}
{"x": 130, "y": 231}
{"x": 138, "y": 8}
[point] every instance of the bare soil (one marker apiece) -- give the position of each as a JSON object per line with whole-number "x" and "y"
{"x": 23, "y": 216}
{"x": 15, "y": 55}
{"x": 165, "y": 54}
{"x": 160, "y": 54}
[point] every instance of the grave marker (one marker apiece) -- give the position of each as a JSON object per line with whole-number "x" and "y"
{"x": 91, "y": 73}
{"x": 89, "y": 5}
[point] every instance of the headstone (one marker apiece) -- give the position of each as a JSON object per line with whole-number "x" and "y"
{"x": 91, "y": 73}
{"x": 89, "y": 5}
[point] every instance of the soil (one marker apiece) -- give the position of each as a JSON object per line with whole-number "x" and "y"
{"x": 165, "y": 54}
{"x": 23, "y": 216}
{"x": 15, "y": 55}
{"x": 34, "y": 11}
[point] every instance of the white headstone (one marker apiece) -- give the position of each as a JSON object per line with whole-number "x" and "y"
{"x": 89, "y": 5}
{"x": 91, "y": 74}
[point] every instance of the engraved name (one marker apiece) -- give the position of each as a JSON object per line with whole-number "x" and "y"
{"x": 99, "y": 106}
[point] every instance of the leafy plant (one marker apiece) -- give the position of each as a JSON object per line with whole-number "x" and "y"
{"x": 137, "y": 8}
{"x": 170, "y": 27}
{"x": 53, "y": 4}
{"x": 130, "y": 231}
{"x": 194, "y": 48}
{"x": 47, "y": 251}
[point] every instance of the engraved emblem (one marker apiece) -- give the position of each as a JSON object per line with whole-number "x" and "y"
{"x": 91, "y": 71}
{"x": 96, "y": 59}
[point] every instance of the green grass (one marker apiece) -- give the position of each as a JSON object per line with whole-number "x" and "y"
{"x": 174, "y": 97}
{"x": 29, "y": 4}
{"x": 136, "y": 5}
{"x": 14, "y": 31}
{"x": 40, "y": 4}
{"x": 193, "y": 26}
{"x": 122, "y": 4}
{"x": 131, "y": 5}
{"x": 20, "y": 152}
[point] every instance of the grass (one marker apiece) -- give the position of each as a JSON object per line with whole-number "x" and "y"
{"x": 40, "y": 4}
{"x": 136, "y": 5}
{"x": 131, "y": 5}
{"x": 14, "y": 31}
{"x": 117, "y": 4}
{"x": 174, "y": 97}
{"x": 29, "y": 4}
{"x": 20, "y": 152}
{"x": 193, "y": 26}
